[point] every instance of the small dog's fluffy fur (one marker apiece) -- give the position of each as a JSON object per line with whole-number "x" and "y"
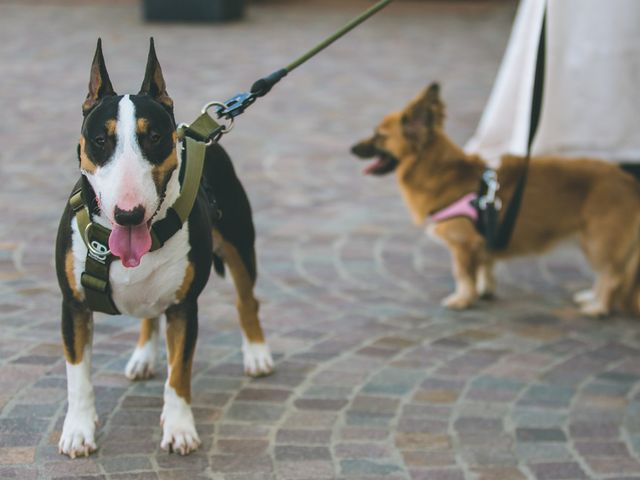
{"x": 585, "y": 198}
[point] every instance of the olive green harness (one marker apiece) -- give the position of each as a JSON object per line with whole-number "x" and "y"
{"x": 95, "y": 277}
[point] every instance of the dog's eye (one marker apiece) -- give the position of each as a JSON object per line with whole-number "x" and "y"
{"x": 100, "y": 140}
{"x": 155, "y": 137}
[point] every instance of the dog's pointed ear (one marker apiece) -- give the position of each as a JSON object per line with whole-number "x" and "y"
{"x": 99, "y": 82}
{"x": 425, "y": 112}
{"x": 153, "y": 83}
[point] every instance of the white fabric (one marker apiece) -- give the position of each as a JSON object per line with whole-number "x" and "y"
{"x": 591, "y": 100}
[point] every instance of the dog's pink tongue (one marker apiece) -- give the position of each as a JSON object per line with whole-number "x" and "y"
{"x": 130, "y": 243}
{"x": 372, "y": 167}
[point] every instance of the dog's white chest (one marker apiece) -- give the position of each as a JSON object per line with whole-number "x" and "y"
{"x": 150, "y": 288}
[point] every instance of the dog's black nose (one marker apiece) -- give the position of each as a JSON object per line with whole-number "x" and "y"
{"x": 129, "y": 217}
{"x": 363, "y": 150}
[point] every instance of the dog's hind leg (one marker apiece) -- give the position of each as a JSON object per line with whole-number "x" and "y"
{"x": 178, "y": 427}
{"x": 585, "y": 296}
{"x": 604, "y": 293}
{"x": 255, "y": 351}
{"x": 78, "y": 430}
{"x": 609, "y": 251}
{"x": 486, "y": 280}
{"x": 142, "y": 362}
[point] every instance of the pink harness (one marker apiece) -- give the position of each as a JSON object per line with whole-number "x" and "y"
{"x": 462, "y": 207}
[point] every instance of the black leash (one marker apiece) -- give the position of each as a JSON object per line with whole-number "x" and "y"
{"x": 237, "y": 104}
{"x": 498, "y": 236}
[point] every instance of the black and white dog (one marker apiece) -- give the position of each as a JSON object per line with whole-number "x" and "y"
{"x": 128, "y": 155}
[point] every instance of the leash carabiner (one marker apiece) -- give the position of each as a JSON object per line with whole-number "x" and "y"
{"x": 490, "y": 178}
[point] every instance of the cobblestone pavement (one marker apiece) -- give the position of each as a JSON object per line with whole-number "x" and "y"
{"x": 374, "y": 379}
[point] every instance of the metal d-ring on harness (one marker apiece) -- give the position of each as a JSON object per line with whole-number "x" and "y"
{"x": 195, "y": 138}
{"x": 497, "y": 235}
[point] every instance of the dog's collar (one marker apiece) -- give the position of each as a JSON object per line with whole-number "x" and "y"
{"x": 463, "y": 207}
{"x": 95, "y": 277}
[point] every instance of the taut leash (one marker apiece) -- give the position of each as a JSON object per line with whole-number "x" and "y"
{"x": 237, "y": 104}
{"x": 498, "y": 235}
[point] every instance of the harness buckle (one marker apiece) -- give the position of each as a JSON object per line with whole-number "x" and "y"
{"x": 490, "y": 178}
{"x": 96, "y": 250}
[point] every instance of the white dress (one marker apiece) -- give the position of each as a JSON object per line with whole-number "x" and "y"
{"x": 591, "y": 99}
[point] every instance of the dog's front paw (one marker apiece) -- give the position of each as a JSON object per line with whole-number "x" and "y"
{"x": 179, "y": 434}
{"x": 141, "y": 364}
{"x": 257, "y": 359}
{"x": 595, "y": 310}
{"x": 584, "y": 296}
{"x": 78, "y": 435}
{"x": 178, "y": 427}
{"x": 456, "y": 301}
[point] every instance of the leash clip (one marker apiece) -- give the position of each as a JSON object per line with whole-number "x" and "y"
{"x": 235, "y": 105}
{"x": 490, "y": 178}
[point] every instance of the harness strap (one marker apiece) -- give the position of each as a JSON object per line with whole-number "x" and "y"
{"x": 463, "y": 207}
{"x": 95, "y": 278}
{"x": 177, "y": 214}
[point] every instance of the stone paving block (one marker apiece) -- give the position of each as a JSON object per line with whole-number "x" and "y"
{"x": 536, "y": 417}
{"x": 311, "y": 470}
{"x": 422, "y": 441}
{"x": 263, "y": 395}
{"x": 437, "y": 474}
{"x": 367, "y": 467}
{"x": 19, "y": 473}
{"x": 558, "y": 471}
{"x": 612, "y": 465}
{"x": 310, "y": 419}
{"x": 255, "y": 412}
{"x": 543, "y": 452}
{"x": 540, "y": 435}
{"x": 507, "y": 473}
{"x": 135, "y": 476}
{"x": 361, "y": 450}
{"x": 289, "y": 453}
{"x": 17, "y": 455}
{"x": 297, "y": 437}
{"x": 364, "y": 433}
{"x": 125, "y": 463}
{"x": 429, "y": 459}
{"x": 244, "y": 446}
{"x": 594, "y": 430}
{"x": 366, "y": 419}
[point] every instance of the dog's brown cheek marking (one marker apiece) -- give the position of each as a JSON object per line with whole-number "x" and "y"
{"x": 85, "y": 164}
{"x": 142, "y": 125}
{"x": 148, "y": 326}
{"x": 162, "y": 171}
{"x": 110, "y": 126}
{"x": 247, "y": 304}
{"x": 71, "y": 278}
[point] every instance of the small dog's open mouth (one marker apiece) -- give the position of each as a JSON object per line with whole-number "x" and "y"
{"x": 384, "y": 163}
